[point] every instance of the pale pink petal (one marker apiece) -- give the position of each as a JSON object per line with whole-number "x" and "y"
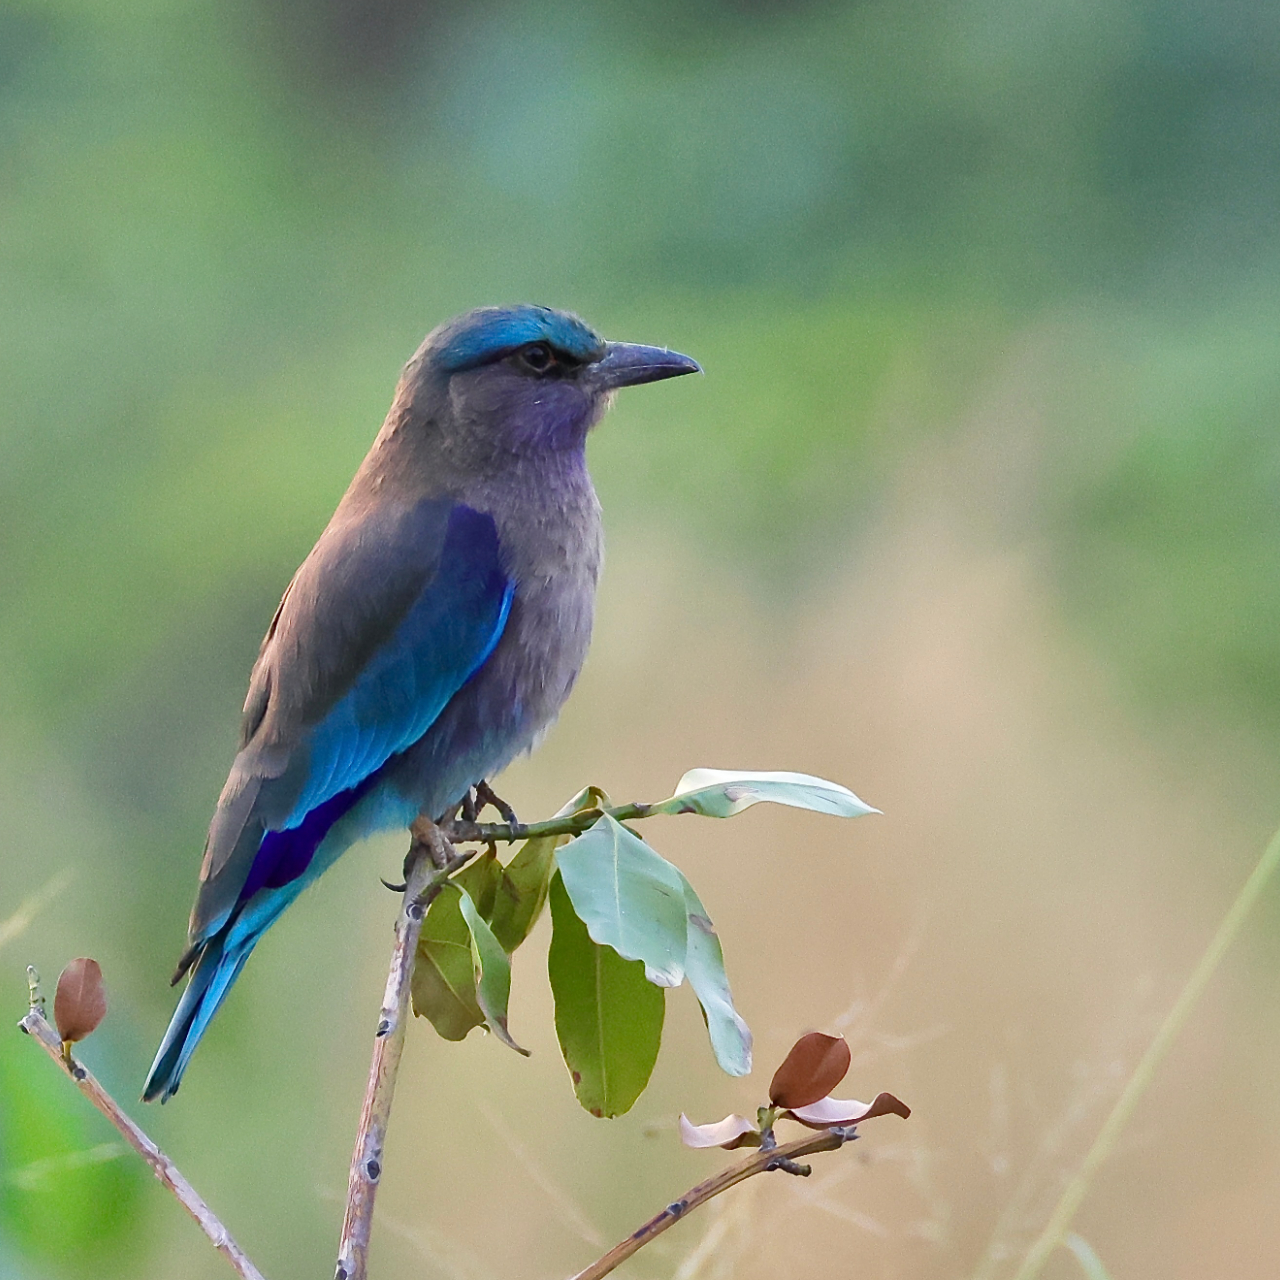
{"x": 732, "y": 1131}
{"x": 827, "y": 1112}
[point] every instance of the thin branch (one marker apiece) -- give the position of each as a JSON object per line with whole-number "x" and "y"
{"x": 464, "y": 832}
{"x": 430, "y": 862}
{"x": 762, "y": 1161}
{"x": 726, "y": 1240}
{"x": 36, "y": 1025}
{"x": 1103, "y": 1145}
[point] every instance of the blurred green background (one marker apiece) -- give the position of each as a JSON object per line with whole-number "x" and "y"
{"x": 976, "y": 510}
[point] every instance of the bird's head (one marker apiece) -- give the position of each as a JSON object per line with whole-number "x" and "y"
{"x": 524, "y": 379}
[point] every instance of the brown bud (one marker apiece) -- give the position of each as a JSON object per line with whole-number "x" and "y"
{"x": 80, "y": 1003}
{"x": 815, "y": 1065}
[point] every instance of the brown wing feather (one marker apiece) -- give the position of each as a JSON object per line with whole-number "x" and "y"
{"x": 347, "y": 598}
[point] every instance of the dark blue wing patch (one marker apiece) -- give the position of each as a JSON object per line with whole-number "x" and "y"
{"x": 285, "y": 855}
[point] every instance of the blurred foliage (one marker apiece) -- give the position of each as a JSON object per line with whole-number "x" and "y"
{"x": 1171, "y": 537}
{"x": 69, "y": 1188}
{"x": 223, "y": 227}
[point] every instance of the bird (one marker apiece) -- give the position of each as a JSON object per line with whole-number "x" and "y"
{"x": 430, "y": 637}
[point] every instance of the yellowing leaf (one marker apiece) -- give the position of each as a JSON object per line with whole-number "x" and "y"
{"x": 444, "y": 981}
{"x": 479, "y": 879}
{"x": 521, "y": 892}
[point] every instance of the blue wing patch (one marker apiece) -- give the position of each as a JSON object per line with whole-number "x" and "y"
{"x": 447, "y": 634}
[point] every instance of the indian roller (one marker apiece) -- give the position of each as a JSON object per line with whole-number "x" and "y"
{"x": 431, "y": 636}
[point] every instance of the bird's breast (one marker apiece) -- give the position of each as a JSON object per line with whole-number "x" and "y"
{"x": 553, "y": 544}
{"x": 549, "y": 533}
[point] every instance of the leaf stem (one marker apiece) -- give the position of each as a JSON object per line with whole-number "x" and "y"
{"x": 37, "y": 1026}
{"x": 464, "y": 832}
{"x": 1103, "y": 1145}
{"x": 782, "y": 1158}
{"x": 430, "y": 862}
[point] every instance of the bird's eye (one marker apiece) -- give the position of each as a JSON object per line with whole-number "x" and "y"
{"x": 538, "y": 357}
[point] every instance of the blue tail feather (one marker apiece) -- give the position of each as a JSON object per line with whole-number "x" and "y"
{"x": 207, "y": 987}
{"x": 214, "y": 973}
{"x": 285, "y": 864}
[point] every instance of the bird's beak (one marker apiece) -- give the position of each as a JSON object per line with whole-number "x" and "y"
{"x": 626, "y": 364}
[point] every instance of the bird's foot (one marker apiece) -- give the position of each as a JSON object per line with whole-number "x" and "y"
{"x": 415, "y": 850}
{"x": 485, "y": 796}
{"x": 469, "y": 808}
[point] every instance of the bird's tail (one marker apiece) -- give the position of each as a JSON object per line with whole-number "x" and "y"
{"x": 217, "y": 968}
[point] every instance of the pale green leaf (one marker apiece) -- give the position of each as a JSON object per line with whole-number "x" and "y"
{"x": 444, "y": 975}
{"x": 629, "y": 897}
{"x": 492, "y": 970}
{"x": 704, "y": 967}
{"x": 608, "y": 1015}
{"x": 721, "y": 793}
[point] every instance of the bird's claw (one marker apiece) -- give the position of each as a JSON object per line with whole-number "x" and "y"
{"x": 485, "y": 796}
{"x": 395, "y": 888}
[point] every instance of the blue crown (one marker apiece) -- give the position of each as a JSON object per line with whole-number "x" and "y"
{"x": 488, "y": 333}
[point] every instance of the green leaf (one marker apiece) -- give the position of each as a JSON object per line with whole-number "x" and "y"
{"x": 704, "y": 967}
{"x": 608, "y": 1015}
{"x": 491, "y": 967}
{"x": 444, "y": 977}
{"x": 629, "y": 897}
{"x": 1089, "y": 1261}
{"x": 522, "y": 889}
{"x": 720, "y": 793}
